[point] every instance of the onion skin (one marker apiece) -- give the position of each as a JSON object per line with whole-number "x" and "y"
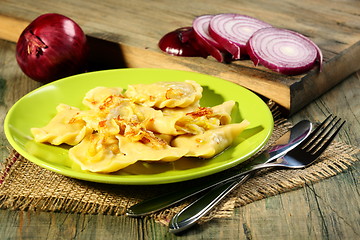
{"x": 52, "y": 47}
{"x": 283, "y": 51}
{"x": 232, "y": 31}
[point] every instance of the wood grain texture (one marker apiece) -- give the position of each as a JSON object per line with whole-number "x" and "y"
{"x": 137, "y": 26}
{"x": 325, "y": 210}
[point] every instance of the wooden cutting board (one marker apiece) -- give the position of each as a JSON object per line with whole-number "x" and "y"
{"x": 126, "y": 33}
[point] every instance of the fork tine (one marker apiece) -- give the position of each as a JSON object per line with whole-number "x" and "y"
{"x": 324, "y": 134}
{"x": 310, "y": 139}
{"x": 327, "y": 140}
{"x": 320, "y": 135}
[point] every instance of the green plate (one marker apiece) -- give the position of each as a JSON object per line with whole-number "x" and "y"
{"x": 38, "y": 107}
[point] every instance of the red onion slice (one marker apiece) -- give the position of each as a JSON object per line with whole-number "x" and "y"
{"x": 233, "y": 31}
{"x": 201, "y": 29}
{"x": 283, "y": 51}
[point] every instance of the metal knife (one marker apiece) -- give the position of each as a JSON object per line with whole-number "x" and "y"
{"x": 284, "y": 144}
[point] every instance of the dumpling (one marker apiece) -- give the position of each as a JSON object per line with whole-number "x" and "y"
{"x": 211, "y": 142}
{"x": 98, "y": 153}
{"x": 101, "y": 95}
{"x": 65, "y": 127}
{"x": 97, "y": 120}
{"x": 223, "y": 111}
{"x": 165, "y": 124}
{"x": 146, "y": 152}
{"x": 190, "y": 108}
{"x": 205, "y": 118}
{"x": 165, "y": 94}
{"x": 192, "y": 120}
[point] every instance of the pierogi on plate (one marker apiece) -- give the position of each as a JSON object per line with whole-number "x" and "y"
{"x": 161, "y": 121}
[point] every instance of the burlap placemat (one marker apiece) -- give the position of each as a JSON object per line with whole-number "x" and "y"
{"x": 26, "y": 186}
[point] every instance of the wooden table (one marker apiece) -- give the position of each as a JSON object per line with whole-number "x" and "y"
{"x": 325, "y": 210}
{"x": 131, "y": 32}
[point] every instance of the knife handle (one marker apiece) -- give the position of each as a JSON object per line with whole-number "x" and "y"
{"x": 189, "y": 215}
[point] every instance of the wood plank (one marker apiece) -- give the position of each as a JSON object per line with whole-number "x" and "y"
{"x": 326, "y": 210}
{"x": 137, "y": 27}
{"x": 11, "y": 28}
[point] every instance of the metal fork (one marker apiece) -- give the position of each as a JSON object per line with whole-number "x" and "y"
{"x": 312, "y": 147}
{"x": 302, "y": 156}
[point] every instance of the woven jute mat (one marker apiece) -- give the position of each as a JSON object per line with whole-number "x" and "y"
{"x": 26, "y": 186}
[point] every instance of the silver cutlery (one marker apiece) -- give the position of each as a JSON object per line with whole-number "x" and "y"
{"x": 284, "y": 144}
{"x": 302, "y": 156}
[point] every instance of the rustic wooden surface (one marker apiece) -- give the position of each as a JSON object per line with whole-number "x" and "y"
{"x": 325, "y": 210}
{"x": 138, "y": 25}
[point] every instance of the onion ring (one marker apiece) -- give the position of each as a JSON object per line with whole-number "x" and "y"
{"x": 201, "y": 29}
{"x": 283, "y": 51}
{"x": 232, "y": 31}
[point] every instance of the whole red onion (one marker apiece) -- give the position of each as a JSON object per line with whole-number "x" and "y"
{"x": 53, "y": 46}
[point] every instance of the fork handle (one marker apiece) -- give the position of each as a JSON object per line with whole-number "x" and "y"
{"x": 189, "y": 215}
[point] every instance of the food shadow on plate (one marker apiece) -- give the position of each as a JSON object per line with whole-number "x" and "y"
{"x": 210, "y": 98}
{"x": 47, "y": 153}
